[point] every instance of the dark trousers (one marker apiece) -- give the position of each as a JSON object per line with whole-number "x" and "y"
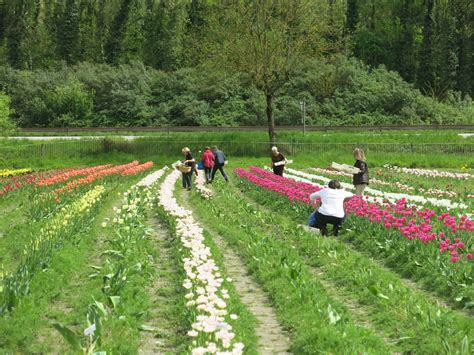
{"x": 321, "y": 221}
{"x": 188, "y": 179}
{"x": 278, "y": 170}
{"x": 208, "y": 174}
{"x": 221, "y": 169}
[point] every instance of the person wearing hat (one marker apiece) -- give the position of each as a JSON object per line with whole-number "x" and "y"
{"x": 277, "y": 157}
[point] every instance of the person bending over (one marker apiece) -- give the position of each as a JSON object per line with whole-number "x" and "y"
{"x": 331, "y": 210}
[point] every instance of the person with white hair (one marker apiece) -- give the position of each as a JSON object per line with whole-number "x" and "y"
{"x": 278, "y": 162}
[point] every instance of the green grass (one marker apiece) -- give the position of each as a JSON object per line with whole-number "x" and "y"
{"x": 351, "y": 136}
{"x": 406, "y": 316}
{"x": 301, "y": 303}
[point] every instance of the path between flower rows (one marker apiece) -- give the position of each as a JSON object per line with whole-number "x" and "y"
{"x": 272, "y": 339}
{"x": 163, "y": 295}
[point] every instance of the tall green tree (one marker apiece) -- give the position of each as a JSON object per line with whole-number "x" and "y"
{"x": 352, "y": 15}
{"x": 265, "y": 39}
{"x": 161, "y": 35}
{"x": 116, "y": 33}
{"x": 68, "y": 33}
{"x": 426, "y": 71}
{"x": 15, "y": 32}
{"x": 404, "y": 49}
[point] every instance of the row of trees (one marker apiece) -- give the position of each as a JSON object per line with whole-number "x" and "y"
{"x": 429, "y": 42}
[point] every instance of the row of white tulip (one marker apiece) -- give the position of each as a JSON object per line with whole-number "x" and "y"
{"x": 398, "y": 185}
{"x": 390, "y": 196}
{"x": 206, "y": 296}
{"x": 429, "y": 172}
{"x": 202, "y": 188}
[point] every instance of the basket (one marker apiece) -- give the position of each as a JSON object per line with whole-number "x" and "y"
{"x": 184, "y": 168}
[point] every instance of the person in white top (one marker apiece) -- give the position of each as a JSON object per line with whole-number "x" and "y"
{"x": 331, "y": 210}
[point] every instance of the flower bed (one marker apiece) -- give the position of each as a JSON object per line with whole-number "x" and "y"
{"x": 205, "y": 192}
{"x": 419, "y": 243}
{"x": 452, "y": 233}
{"x": 65, "y": 175}
{"x": 429, "y": 173}
{"x": 14, "y": 172}
{"x": 390, "y": 196}
{"x": 99, "y": 175}
{"x": 38, "y": 251}
{"x": 211, "y": 329}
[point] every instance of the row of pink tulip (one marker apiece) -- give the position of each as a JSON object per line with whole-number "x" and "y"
{"x": 453, "y": 234}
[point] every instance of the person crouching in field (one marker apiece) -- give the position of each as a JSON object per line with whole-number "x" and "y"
{"x": 361, "y": 179}
{"x": 189, "y": 162}
{"x": 277, "y": 157}
{"x": 331, "y": 210}
{"x": 207, "y": 159}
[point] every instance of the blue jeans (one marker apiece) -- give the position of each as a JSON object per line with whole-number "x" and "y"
{"x": 312, "y": 219}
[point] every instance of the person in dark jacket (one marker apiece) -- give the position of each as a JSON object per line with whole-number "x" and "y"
{"x": 361, "y": 179}
{"x": 189, "y": 161}
{"x": 276, "y": 158}
{"x": 219, "y": 162}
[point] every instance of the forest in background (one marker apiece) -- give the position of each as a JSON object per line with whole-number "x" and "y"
{"x": 233, "y": 62}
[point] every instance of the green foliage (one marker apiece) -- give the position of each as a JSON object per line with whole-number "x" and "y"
{"x": 6, "y": 125}
{"x": 339, "y": 91}
{"x": 68, "y": 105}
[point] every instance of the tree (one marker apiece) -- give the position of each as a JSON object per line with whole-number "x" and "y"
{"x": 265, "y": 39}
{"x": 15, "y": 32}
{"x": 352, "y": 16}
{"x": 426, "y": 71}
{"x": 68, "y": 33}
{"x": 404, "y": 47}
{"x": 160, "y": 40}
{"x": 113, "y": 45}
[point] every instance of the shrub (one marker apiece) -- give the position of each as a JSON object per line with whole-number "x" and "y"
{"x": 6, "y": 125}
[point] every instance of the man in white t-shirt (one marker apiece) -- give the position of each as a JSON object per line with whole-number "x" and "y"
{"x": 331, "y": 210}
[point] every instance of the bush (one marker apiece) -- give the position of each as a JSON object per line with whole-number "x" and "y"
{"x": 337, "y": 92}
{"x": 6, "y": 125}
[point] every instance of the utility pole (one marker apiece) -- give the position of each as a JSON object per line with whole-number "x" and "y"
{"x": 303, "y": 109}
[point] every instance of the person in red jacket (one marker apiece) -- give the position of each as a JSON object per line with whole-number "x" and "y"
{"x": 208, "y": 162}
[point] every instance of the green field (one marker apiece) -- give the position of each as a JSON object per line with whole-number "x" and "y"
{"x": 370, "y": 290}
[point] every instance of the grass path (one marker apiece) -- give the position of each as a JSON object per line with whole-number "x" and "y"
{"x": 272, "y": 338}
{"x": 166, "y": 295}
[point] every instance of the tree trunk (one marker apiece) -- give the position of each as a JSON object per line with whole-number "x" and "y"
{"x": 271, "y": 121}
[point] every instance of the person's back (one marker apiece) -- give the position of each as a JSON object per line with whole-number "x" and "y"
{"x": 208, "y": 159}
{"x": 219, "y": 157}
{"x": 332, "y": 202}
{"x": 331, "y": 210}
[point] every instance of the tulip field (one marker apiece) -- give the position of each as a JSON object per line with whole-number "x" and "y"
{"x": 117, "y": 258}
